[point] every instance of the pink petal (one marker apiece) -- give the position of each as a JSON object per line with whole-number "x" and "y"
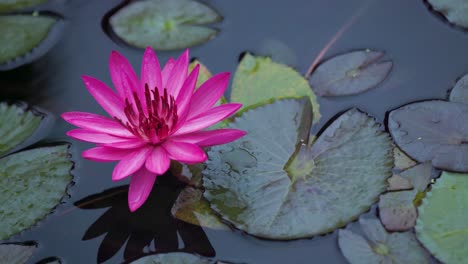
{"x": 178, "y": 74}
{"x": 97, "y": 123}
{"x": 105, "y": 154}
{"x": 127, "y": 144}
{"x": 208, "y": 118}
{"x": 210, "y": 138}
{"x": 141, "y": 185}
{"x": 131, "y": 163}
{"x": 150, "y": 70}
{"x": 165, "y": 73}
{"x": 208, "y": 94}
{"x": 184, "y": 152}
{"x": 119, "y": 67}
{"x": 94, "y": 137}
{"x": 158, "y": 161}
{"x": 105, "y": 97}
{"x": 185, "y": 95}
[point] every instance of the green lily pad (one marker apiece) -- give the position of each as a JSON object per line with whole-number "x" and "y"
{"x": 32, "y": 183}
{"x": 12, "y": 5}
{"x": 456, "y": 11}
{"x": 164, "y": 24}
{"x": 351, "y": 73}
{"x": 259, "y": 80}
{"x": 272, "y": 185}
{"x": 174, "y": 258}
{"x": 20, "y": 34}
{"x": 378, "y": 246}
{"x": 442, "y": 225}
{"x": 17, "y": 124}
{"x": 459, "y": 92}
{"x": 16, "y": 253}
{"x": 204, "y": 73}
{"x": 191, "y": 207}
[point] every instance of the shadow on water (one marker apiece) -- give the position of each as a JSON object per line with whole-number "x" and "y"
{"x": 151, "y": 229}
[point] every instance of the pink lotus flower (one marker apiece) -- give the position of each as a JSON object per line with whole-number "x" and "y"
{"x": 154, "y": 120}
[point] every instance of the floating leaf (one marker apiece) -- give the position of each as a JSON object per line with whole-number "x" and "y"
{"x": 434, "y": 131}
{"x": 398, "y": 209}
{"x": 351, "y": 73}
{"x": 398, "y": 183}
{"x": 402, "y": 161}
{"x": 16, "y": 125}
{"x": 442, "y": 226}
{"x": 174, "y": 258}
{"x": 459, "y": 93}
{"x": 164, "y": 24}
{"x": 378, "y": 246}
{"x": 204, "y": 73}
{"x": 456, "y": 11}
{"x": 259, "y": 80}
{"x": 16, "y": 253}
{"x": 262, "y": 186}
{"x": 32, "y": 183}
{"x": 12, "y": 5}
{"x": 191, "y": 207}
{"x": 20, "y": 34}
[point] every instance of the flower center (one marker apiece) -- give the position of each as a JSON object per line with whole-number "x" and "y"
{"x": 157, "y": 121}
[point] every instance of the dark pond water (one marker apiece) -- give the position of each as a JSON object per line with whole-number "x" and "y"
{"x": 428, "y": 55}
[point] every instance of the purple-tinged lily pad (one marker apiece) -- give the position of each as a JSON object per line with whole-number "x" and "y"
{"x": 459, "y": 92}
{"x": 351, "y": 73}
{"x": 398, "y": 183}
{"x": 402, "y": 161}
{"x": 434, "y": 131}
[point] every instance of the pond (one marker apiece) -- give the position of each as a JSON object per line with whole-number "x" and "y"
{"x": 93, "y": 222}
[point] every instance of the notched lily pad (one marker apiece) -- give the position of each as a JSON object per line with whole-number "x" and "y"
{"x": 191, "y": 207}
{"x": 378, "y": 246}
{"x": 32, "y": 183}
{"x": 17, "y": 123}
{"x": 16, "y": 253}
{"x": 272, "y": 185}
{"x": 442, "y": 226}
{"x": 459, "y": 92}
{"x": 164, "y": 24}
{"x": 259, "y": 80}
{"x": 174, "y": 258}
{"x": 24, "y": 38}
{"x": 351, "y": 73}
{"x": 455, "y": 11}
{"x": 434, "y": 131}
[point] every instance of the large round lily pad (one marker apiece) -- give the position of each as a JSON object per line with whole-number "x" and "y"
{"x": 272, "y": 185}
{"x": 442, "y": 225}
{"x": 164, "y": 24}
{"x": 459, "y": 92}
{"x": 434, "y": 131}
{"x": 32, "y": 183}
{"x": 456, "y": 11}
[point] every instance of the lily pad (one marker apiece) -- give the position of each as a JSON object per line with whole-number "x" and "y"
{"x": 20, "y": 34}
{"x": 259, "y": 80}
{"x": 174, "y": 258}
{"x": 378, "y": 246}
{"x": 398, "y": 183}
{"x": 12, "y": 5}
{"x": 272, "y": 185}
{"x": 17, "y": 124}
{"x": 32, "y": 183}
{"x": 164, "y": 24}
{"x": 204, "y": 73}
{"x": 459, "y": 93}
{"x": 402, "y": 161}
{"x": 191, "y": 207}
{"x": 351, "y": 73}
{"x": 16, "y": 253}
{"x": 434, "y": 131}
{"x": 442, "y": 226}
{"x": 456, "y": 11}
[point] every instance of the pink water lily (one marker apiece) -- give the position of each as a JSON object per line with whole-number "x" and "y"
{"x": 154, "y": 120}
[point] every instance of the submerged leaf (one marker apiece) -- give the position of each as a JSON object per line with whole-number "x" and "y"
{"x": 16, "y": 125}
{"x": 164, "y": 24}
{"x": 434, "y": 131}
{"x": 262, "y": 186}
{"x": 191, "y": 207}
{"x": 378, "y": 246}
{"x": 20, "y": 34}
{"x": 351, "y": 73}
{"x": 32, "y": 183}
{"x": 456, "y": 11}
{"x": 442, "y": 226}
{"x": 173, "y": 258}
{"x": 459, "y": 93}
{"x": 259, "y": 80}
{"x": 12, "y": 5}
{"x": 16, "y": 253}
